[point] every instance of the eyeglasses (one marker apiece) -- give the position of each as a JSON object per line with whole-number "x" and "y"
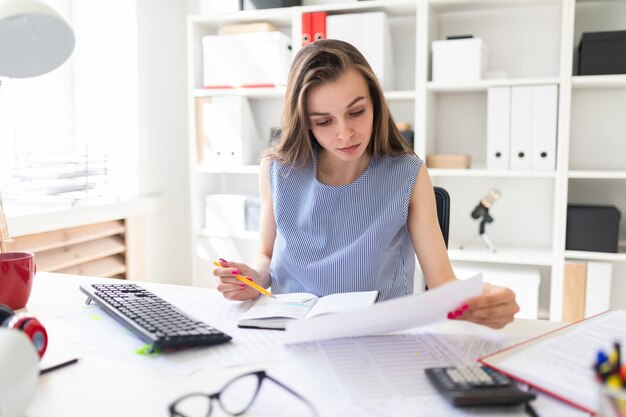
{"x": 235, "y": 398}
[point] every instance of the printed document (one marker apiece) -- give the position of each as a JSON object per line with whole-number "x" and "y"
{"x": 388, "y": 316}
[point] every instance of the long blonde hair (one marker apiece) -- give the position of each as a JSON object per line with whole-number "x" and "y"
{"x": 322, "y": 62}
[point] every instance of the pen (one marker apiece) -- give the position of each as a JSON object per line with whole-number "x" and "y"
{"x": 58, "y": 366}
{"x": 249, "y": 283}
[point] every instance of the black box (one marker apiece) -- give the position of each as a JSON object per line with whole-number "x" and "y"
{"x": 592, "y": 228}
{"x": 602, "y": 53}
{"x": 267, "y": 4}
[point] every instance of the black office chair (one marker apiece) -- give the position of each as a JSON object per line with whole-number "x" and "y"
{"x": 442, "y": 198}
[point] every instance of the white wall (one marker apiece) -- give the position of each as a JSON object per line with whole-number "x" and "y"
{"x": 164, "y": 163}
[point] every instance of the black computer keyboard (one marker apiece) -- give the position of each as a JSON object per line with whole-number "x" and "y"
{"x": 152, "y": 318}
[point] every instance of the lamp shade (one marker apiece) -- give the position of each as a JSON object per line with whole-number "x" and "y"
{"x": 34, "y": 39}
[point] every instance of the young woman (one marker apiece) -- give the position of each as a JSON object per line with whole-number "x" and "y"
{"x": 345, "y": 202}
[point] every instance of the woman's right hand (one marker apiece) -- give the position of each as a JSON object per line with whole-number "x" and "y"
{"x": 231, "y": 287}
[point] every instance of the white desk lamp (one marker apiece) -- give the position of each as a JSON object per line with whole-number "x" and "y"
{"x": 34, "y": 40}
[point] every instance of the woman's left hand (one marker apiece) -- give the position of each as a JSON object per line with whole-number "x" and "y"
{"x": 494, "y": 308}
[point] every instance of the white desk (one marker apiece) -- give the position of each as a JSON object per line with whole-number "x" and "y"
{"x": 97, "y": 386}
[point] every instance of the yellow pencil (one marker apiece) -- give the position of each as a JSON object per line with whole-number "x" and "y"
{"x": 250, "y": 283}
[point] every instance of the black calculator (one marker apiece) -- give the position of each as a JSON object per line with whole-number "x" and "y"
{"x": 476, "y": 386}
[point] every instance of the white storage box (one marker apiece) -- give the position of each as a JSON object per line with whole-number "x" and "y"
{"x": 459, "y": 60}
{"x": 370, "y": 34}
{"x": 523, "y": 280}
{"x": 231, "y": 215}
{"x": 258, "y": 59}
{"x": 225, "y": 215}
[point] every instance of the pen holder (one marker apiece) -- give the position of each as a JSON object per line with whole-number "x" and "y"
{"x": 612, "y": 402}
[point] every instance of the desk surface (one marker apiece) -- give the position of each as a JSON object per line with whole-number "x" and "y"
{"x": 99, "y": 386}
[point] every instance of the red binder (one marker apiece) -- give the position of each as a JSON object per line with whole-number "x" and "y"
{"x": 319, "y": 25}
{"x": 307, "y": 26}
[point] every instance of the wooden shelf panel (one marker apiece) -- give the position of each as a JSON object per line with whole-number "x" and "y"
{"x": 503, "y": 255}
{"x": 45, "y": 241}
{"x": 109, "y": 267}
{"x": 61, "y": 258}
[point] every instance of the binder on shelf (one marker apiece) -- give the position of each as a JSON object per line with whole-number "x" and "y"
{"x": 307, "y": 26}
{"x": 369, "y": 33}
{"x": 318, "y": 25}
{"x": 544, "y": 127}
{"x": 521, "y": 128}
{"x": 231, "y": 132}
{"x": 598, "y": 288}
{"x": 203, "y": 143}
{"x": 574, "y": 289}
{"x": 498, "y": 127}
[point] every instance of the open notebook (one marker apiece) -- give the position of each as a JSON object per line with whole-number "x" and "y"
{"x": 274, "y": 313}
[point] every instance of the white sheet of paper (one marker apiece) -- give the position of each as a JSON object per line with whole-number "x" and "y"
{"x": 376, "y": 376}
{"x": 387, "y": 316}
{"x": 101, "y": 335}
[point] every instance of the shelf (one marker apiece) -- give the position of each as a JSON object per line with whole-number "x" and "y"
{"x": 445, "y": 6}
{"x": 451, "y": 117}
{"x": 277, "y": 92}
{"x": 239, "y": 169}
{"x": 275, "y": 16}
{"x": 587, "y": 82}
{"x": 596, "y": 256}
{"x": 503, "y": 255}
{"x": 484, "y": 85}
{"x": 391, "y": 7}
{"x": 486, "y": 173}
{"x": 434, "y": 172}
{"x": 599, "y": 175}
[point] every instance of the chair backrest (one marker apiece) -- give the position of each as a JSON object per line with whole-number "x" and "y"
{"x": 442, "y": 199}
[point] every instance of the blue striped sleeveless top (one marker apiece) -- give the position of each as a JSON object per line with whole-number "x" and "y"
{"x": 353, "y": 237}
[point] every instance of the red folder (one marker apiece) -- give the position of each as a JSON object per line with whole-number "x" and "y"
{"x": 307, "y": 26}
{"x": 563, "y": 372}
{"x": 319, "y": 25}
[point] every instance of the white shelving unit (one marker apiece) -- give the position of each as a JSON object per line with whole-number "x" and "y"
{"x": 531, "y": 42}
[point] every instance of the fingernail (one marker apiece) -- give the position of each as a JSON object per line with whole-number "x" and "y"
{"x": 457, "y": 313}
{"x": 464, "y": 307}
{"x": 451, "y": 316}
{"x": 224, "y": 261}
{"x": 250, "y": 279}
{"x": 235, "y": 271}
{"x": 242, "y": 286}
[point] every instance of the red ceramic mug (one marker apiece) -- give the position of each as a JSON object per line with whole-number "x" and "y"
{"x": 17, "y": 270}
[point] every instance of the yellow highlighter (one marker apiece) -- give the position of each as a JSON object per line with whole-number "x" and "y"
{"x": 249, "y": 283}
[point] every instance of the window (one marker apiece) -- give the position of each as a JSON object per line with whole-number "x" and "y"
{"x": 72, "y": 134}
